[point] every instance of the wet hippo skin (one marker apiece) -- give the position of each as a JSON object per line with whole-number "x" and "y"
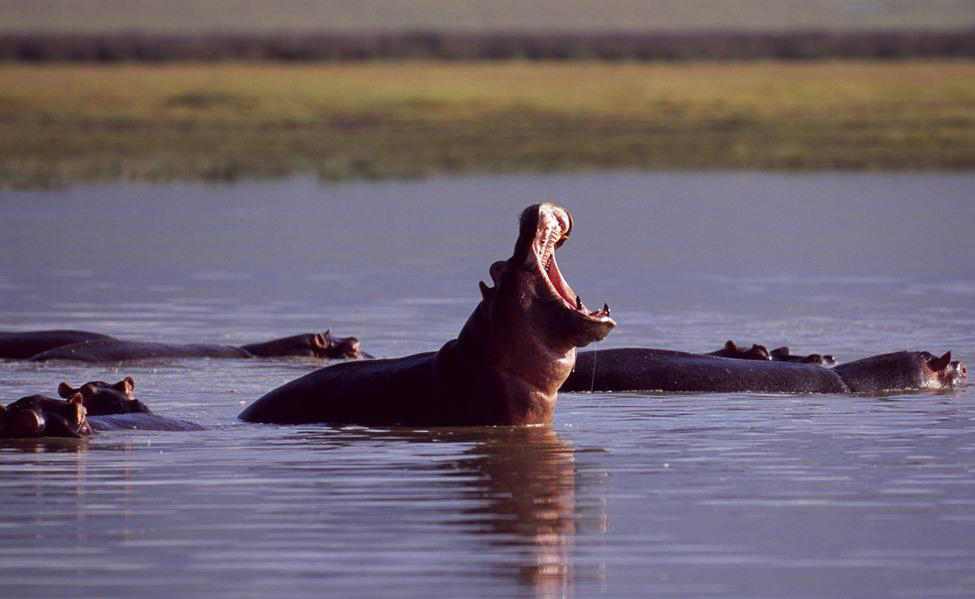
{"x": 645, "y": 369}
{"x": 109, "y": 349}
{"x": 21, "y": 346}
{"x": 40, "y": 416}
{"x": 505, "y": 367}
{"x": 114, "y": 407}
{"x": 760, "y": 352}
{"x": 101, "y": 398}
{"x": 94, "y": 406}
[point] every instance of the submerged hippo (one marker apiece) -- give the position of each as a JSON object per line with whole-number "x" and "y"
{"x": 114, "y": 406}
{"x": 505, "y": 367}
{"x": 21, "y": 346}
{"x": 644, "y": 369}
{"x": 760, "y": 352}
{"x": 40, "y": 416}
{"x": 94, "y": 406}
{"x": 101, "y": 348}
{"x": 101, "y": 398}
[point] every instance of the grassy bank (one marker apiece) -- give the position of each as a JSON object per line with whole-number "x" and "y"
{"x": 61, "y": 124}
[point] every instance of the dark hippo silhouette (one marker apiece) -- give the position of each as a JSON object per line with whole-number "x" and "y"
{"x": 40, "y": 416}
{"x": 101, "y": 398}
{"x": 779, "y": 354}
{"x": 21, "y": 346}
{"x": 644, "y": 369}
{"x": 782, "y": 354}
{"x": 110, "y": 349}
{"x": 505, "y": 367}
{"x": 731, "y": 350}
{"x": 114, "y": 407}
{"x": 95, "y": 406}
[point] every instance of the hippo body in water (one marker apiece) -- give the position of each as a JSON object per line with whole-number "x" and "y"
{"x": 645, "y": 369}
{"x": 41, "y": 416}
{"x": 82, "y": 346}
{"x": 505, "y": 367}
{"x": 21, "y": 346}
{"x": 92, "y": 407}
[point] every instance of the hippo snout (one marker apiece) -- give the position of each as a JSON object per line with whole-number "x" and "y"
{"x": 959, "y": 372}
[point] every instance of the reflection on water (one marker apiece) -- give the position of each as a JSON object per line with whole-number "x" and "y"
{"x": 629, "y": 494}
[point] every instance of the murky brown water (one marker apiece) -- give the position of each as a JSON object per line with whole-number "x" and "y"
{"x": 626, "y": 495}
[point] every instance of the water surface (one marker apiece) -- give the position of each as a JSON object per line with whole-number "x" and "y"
{"x": 624, "y": 495}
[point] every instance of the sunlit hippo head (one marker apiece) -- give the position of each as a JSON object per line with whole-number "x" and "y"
{"x": 903, "y": 370}
{"x": 530, "y": 296}
{"x": 101, "y": 398}
{"x": 941, "y": 372}
{"x": 40, "y": 416}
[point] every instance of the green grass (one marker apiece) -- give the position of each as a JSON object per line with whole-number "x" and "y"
{"x": 63, "y": 124}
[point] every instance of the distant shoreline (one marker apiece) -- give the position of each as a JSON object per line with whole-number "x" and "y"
{"x": 67, "y": 123}
{"x": 796, "y": 45}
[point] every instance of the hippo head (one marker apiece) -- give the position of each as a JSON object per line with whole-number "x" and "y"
{"x": 942, "y": 372}
{"x": 101, "y": 398}
{"x": 756, "y": 352}
{"x": 40, "y": 416}
{"x": 531, "y": 299}
{"x": 338, "y": 347}
{"x": 312, "y": 345}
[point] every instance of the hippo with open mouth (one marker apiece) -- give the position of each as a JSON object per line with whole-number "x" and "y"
{"x": 504, "y": 368}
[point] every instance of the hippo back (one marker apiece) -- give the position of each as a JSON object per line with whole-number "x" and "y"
{"x": 645, "y": 369}
{"x": 116, "y": 350}
{"x": 21, "y": 346}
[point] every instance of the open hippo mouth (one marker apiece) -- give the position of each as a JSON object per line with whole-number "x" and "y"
{"x": 547, "y": 227}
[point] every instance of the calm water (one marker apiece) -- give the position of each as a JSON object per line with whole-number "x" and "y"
{"x": 625, "y": 495}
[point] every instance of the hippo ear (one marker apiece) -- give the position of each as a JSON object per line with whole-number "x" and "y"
{"x": 125, "y": 386}
{"x": 65, "y": 390}
{"x": 729, "y": 345}
{"x": 496, "y": 270}
{"x": 938, "y": 364}
{"x": 320, "y": 340}
{"x": 760, "y": 351}
{"x": 486, "y": 292}
{"x": 75, "y": 398}
{"x": 328, "y": 333}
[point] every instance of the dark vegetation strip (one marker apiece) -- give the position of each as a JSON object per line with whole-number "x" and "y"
{"x": 714, "y": 45}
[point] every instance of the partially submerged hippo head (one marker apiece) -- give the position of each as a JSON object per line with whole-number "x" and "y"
{"x": 313, "y": 345}
{"x": 942, "y": 372}
{"x": 903, "y": 370}
{"x": 530, "y": 296}
{"x": 731, "y": 350}
{"x": 101, "y": 398}
{"x": 40, "y": 416}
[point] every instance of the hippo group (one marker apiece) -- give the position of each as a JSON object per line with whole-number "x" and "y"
{"x": 94, "y": 406}
{"x": 506, "y": 366}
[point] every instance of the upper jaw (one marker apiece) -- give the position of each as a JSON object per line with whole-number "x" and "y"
{"x": 553, "y": 227}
